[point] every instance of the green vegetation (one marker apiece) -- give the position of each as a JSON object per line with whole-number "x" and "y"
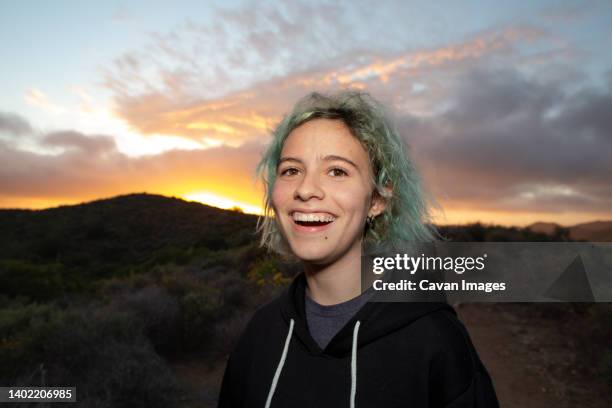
{"x": 103, "y": 352}
{"x": 102, "y": 295}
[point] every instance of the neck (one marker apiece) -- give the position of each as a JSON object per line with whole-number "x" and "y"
{"x": 337, "y": 282}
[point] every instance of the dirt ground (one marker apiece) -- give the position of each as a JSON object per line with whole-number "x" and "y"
{"x": 532, "y": 362}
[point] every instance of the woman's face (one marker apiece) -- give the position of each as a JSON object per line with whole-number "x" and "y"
{"x": 323, "y": 193}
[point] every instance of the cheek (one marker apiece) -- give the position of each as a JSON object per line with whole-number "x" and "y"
{"x": 354, "y": 202}
{"x": 281, "y": 194}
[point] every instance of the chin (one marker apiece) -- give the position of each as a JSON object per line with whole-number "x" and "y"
{"x": 313, "y": 254}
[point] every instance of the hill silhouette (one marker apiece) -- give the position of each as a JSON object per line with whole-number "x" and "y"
{"x": 123, "y": 228}
{"x": 134, "y": 223}
{"x": 596, "y": 231}
{"x": 67, "y": 248}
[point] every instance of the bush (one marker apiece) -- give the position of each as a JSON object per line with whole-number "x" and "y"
{"x": 23, "y": 332}
{"x": 100, "y": 351}
{"x": 37, "y": 282}
{"x": 227, "y": 332}
{"x": 159, "y": 313}
{"x": 235, "y": 292}
{"x": 267, "y": 274}
{"x": 201, "y": 309}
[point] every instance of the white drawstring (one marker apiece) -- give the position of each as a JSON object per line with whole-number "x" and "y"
{"x": 354, "y": 364}
{"x": 280, "y": 365}
{"x": 284, "y": 357}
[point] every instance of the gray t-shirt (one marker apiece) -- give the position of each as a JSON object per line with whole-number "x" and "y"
{"x": 325, "y": 321}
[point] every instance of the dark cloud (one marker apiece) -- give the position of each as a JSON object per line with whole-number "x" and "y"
{"x": 14, "y": 124}
{"x": 514, "y": 143}
{"x": 588, "y": 114}
{"x": 71, "y": 140}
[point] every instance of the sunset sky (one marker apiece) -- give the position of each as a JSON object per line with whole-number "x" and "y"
{"x": 507, "y": 108}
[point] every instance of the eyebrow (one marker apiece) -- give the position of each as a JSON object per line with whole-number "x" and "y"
{"x": 331, "y": 157}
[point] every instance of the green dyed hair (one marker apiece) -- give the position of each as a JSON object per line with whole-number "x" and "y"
{"x": 406, "y": 216}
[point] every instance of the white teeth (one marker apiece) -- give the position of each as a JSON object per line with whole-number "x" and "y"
{"x": 309, "y": 217}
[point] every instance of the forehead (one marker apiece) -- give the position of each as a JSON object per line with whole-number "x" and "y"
{"x": 324, "y": 137}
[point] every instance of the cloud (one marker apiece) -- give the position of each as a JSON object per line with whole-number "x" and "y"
{"x": 90, "y": 166}
{"x": 500, "y": 120}
{"x": 502, "y": 140}
{"x": 249, "y": 113}
{"x": 37, "y": 98}
{"x": 510, "y": 142}
{"x": 14, "y": 124}
{"x": 191, "y": 81}
{"x": 94, "y": 145}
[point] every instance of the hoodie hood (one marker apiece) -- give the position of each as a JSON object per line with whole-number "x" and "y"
{"x": 376, "y": 319}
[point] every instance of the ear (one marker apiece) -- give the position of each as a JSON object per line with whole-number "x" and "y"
{"x": 379, "y": 204}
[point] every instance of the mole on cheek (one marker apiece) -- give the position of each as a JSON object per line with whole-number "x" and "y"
{"x": 325, "y": 237}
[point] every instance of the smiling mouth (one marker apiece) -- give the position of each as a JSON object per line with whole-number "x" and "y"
{"x": 312, "y": 223}
{"x": 312, "y": 219}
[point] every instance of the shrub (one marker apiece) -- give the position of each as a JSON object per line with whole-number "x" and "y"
{"x": 159, "y": 313}
{"x": 100, "y": 351}
{"x": 267, "y": 273}
{"x": 227, "y": 332}
{"x": 37, "y": 282}
{"x": 200, "y": 311}
{"x": 24, "y": 329}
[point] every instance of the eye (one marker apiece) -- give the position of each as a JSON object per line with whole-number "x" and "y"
{"x": 289, "y": 171}
{"x": 337, "y": 172}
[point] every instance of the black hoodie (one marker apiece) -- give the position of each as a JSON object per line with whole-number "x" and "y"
{"x": 388, "y": 355}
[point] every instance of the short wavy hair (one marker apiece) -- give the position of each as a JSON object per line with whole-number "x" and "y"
{"x": 406, "y": 217}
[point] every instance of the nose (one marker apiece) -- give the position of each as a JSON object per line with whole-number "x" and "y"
{"x": 308, "y": 188}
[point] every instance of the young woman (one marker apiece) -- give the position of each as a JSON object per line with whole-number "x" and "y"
{"x": 338, "y": 177}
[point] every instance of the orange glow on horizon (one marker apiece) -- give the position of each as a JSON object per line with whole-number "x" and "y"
{"x": 222, "y": 202}
{"x": 32, "y": 203}
{"x": 512, "y": 219}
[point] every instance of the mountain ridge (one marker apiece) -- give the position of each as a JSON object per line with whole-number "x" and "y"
{"x": 594, "y": 231}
